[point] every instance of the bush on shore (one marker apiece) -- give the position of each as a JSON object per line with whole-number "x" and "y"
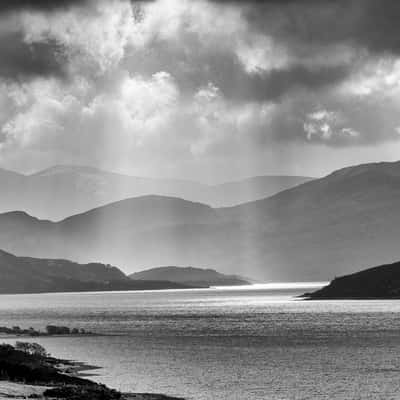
{"x": 34, "y": 349}
{"x": 98, "y": 392}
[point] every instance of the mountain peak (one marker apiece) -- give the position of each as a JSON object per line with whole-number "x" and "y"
{"x": 387, "y": 168}
{"x": 57, "y": 192}
{"x": 17, "y": 215}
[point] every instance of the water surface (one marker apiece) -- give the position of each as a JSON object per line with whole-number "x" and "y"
{"x": 214, "y": 344}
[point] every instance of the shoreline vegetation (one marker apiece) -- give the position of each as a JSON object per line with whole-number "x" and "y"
{"x": 50, "y": 330}
{"x": 28, "y": 371}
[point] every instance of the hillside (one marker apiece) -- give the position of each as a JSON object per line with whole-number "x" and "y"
{"x": 325, "y": 227}
{"x": 31, "y": 275}
{"x": 145, "y": 231}
{"x": 190, "y": 276}
{"x": 61, "y": 191}
{"x": 251, "y": 189}
{"x": 314, "y": 231}
{"x": 381, "y": 282}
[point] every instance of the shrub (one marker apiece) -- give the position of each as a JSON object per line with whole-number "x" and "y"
{"x": 57, "y": 330}
{"x": 34, "y": 349}
{"x": 92, "y": 392}
{"x": 6, "y": 348}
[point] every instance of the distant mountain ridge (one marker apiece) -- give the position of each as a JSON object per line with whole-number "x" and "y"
{"x": 61, "y": 191}
{"x": 317, "y": 230}
{"x": 190, "y": 276}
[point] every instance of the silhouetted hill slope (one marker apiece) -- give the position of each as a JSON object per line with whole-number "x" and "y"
{"x": 140, "y": 213}
{"x": 61, "y": 191}
{"x": 381, "y": 282}
{"x": 32, "y": 275}
{"x": 130, "y": 231}
{"x": 314, "y": 231}
{"x": 251, "y": 189}
{"x": 190, "y": 275}
{"x": 327, "y": 226}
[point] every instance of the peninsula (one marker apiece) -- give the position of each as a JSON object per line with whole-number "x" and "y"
{"x": 381, "y": 282}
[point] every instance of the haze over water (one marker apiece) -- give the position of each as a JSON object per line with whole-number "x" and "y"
{"x": 250, "y": 343}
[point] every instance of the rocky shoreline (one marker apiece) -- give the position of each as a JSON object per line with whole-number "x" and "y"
{"x": 29, "y": 372}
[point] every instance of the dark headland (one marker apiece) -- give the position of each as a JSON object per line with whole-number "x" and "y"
{"x": 39, "y": 275}
{"x": 27, "y": 371}
{"x": 381, "y": 282}
{"x": 190, "y": 276}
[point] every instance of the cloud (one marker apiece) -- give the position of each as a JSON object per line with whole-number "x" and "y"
{"x": 202, "y": 42}
{"x": 363, "y": 23}
{"x": 169, "y": 83}
{"x": 136, "y": 122}
{"x": 54, "y": 119}
{"x": 7, "y": 6}
{"x": 327, "y": 125}
{"x": 98, "y": 47}
{"x": 21, "y": 59}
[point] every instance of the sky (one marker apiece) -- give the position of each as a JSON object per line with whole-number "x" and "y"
{"x": 205, "y": 90}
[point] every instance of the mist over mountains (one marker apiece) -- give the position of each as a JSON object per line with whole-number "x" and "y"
{"x": 326, "y": 227}
{"x": 61, "y": 191}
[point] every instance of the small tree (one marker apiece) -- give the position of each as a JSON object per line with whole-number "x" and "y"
{"x": 57, "y": 330}
{"x": 34, "y": 349}
{"x": 38, "y": 350}
{"x": 51, "y": 330}
{"x": 22, "y": 346}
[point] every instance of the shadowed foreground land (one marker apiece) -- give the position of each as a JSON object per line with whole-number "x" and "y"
{"x": 31, "y": 373}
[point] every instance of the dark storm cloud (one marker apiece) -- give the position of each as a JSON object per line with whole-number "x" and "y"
{"x": 370, "y": 24}
{"x": 23, "y": 60}
{"x": 42, "y": 5}
{"x": 192, "y": 70}
{"x": 235, "y": 83}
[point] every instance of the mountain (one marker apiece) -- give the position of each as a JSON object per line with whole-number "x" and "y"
{"x": 251, "y": 189}
{"x": 190, "y": 276}
{"x": 315, "y": 231}
{"x": 61, "y": 191}
{"x": 130, "y": 232}
{"x": 374, "y": 283}
{"x": 32, "y": 275}
{"x": 326, "y": 227}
